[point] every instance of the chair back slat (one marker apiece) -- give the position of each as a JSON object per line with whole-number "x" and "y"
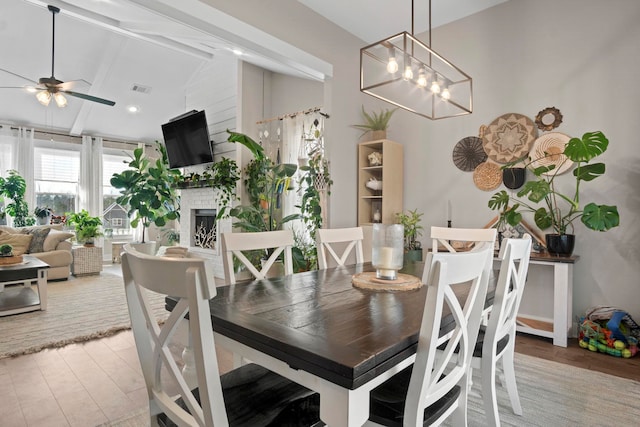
{"x": 327, "y": 240}
{"x": 514, "y": 265}
{"x": 279, "y": 242}
{"x": 187, "y": 280}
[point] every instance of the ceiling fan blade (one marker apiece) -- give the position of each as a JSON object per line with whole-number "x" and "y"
{"x": 18, "y": 75}
{"x": 89, "y": 97}
{"x": 70, "y": 84}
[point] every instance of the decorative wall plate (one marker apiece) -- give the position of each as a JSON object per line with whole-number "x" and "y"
{"x": 469, "y": 153}
{"x": 548, "y": 119}
{"x": 487, "y": 176}
{"x": 547, "y": 150}
{"x": 509, "y": 137}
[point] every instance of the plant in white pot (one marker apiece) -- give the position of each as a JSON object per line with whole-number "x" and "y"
{"x": 558, "y": 210}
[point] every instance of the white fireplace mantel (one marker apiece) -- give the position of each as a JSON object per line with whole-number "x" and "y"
{"x": 202, "y": 198}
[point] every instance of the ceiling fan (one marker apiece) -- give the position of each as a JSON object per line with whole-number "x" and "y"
{"x": 48, "y": 88}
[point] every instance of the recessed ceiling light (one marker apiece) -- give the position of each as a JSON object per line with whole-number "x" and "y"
{"x": 133, "y": 109}
{"x": 236, "y": 51}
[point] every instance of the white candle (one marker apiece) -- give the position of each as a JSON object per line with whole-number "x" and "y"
{"x": 386, "y": 257}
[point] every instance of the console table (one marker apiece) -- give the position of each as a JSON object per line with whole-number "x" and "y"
{"x": 558, "y": 327}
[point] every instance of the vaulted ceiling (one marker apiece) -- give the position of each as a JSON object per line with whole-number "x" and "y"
{"x": 142, "y": 53}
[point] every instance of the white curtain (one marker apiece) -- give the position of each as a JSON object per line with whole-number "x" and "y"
{"x": 91, "y": 176}
{"x": 24, "y": 162}
{"x": 7, "y": 138}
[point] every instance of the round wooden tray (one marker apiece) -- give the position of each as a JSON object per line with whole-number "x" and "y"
{"x": 9, "y": 260}
{"x": 368, "y": 280}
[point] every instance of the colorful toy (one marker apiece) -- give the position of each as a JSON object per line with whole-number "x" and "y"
{"x": 609, "y": 330}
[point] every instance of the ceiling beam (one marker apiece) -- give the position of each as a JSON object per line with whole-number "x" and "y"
{"x": 118, "y": 27}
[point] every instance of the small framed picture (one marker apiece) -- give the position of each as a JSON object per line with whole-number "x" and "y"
{"x": 537, "y": 243}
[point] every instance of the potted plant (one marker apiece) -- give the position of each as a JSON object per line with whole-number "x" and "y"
{"x": 6, "y": 250}
{"x": 412, "y": 231}
{"x": 265, "y": 183}
{"x": 43, "y": 215}
{"x": 14, "y": 187}
{"x": 87, "y": 227}
{"x": 376, "y": 123}
{"x": 559, "y": 210}
{"x": 149, "y": 190}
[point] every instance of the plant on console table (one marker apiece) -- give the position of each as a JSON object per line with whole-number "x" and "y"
{"x": 559, "y": 210}
{"x": 148, "y": 189}
{"x": 410, "y": 220}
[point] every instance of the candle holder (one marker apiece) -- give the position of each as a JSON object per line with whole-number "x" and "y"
{"x": 387, "y": 250}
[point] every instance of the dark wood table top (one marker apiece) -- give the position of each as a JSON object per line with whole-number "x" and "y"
{"x": 319, "y": 322}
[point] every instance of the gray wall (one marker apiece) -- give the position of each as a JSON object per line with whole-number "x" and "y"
{"x": 577, "y": 55}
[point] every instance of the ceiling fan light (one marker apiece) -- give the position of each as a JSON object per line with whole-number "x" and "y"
{"x": 61, "y": 101}
{"x": 43, "y": 97}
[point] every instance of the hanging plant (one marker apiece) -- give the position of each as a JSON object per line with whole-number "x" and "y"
{"x": 314, "y": 180}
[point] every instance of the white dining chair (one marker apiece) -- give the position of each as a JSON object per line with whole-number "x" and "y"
{"x": 249, "y": 395}
{"x": 472, "y": 237}
{"x": 328, "y": 240}
{"x": 435, "y": 388}
{"x": 497, "y": 341}
{"x": 234, "y": 244}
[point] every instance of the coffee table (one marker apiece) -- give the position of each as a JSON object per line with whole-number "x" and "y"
{"x": 21, "y": 299}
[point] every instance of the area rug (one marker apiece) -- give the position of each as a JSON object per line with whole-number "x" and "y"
{"x": 79, "y": 309}
{"x": 551, "y": 393}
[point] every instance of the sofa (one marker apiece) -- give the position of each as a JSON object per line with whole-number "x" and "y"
{"x": 49, "y": 243}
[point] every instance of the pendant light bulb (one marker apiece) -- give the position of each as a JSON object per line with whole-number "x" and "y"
{"x": 408, "y": 73}
{"x": 422, "y": 78}
{"x": 43, "y": 97}
{"x": 61, "y": 101}
{"x": 435, "y": 87}
{"x": 392, "y": 65}
{"x": 445, "y": 94}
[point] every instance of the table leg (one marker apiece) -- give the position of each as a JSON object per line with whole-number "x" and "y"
{"x": 340, "y": 407}
{"x": 562, "y": 302}
{"x": 42, "y": 288}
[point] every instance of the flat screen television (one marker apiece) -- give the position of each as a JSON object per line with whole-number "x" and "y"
{"x": 187, "y": 140}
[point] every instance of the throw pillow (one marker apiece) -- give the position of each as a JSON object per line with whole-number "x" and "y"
{"x": 37, "y": 242}
{"x": 20, "y": 242}
{"x": 53, "y": 238}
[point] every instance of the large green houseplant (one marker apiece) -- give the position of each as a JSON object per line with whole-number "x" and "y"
{"x": 265, "y": 183}
{"x": 14, "y": 187}
{"x": 559, "y": 210}
{"x": 148, "y": 189}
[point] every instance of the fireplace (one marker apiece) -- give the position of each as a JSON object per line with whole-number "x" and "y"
{"x": 204, "y": 232}
{"x": 199, "y": 209}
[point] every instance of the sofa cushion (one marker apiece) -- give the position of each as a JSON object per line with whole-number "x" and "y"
{"x": 20, "y": 242}
{"x": 54, "y": 238}
{"x": 37, "y": 242}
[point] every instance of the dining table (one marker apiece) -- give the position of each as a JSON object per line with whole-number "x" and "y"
{"x": 319, "y": 330}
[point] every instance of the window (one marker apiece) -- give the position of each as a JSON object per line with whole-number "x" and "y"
{"x": 115, "y": 216}
{"x": 56, "y": 175}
